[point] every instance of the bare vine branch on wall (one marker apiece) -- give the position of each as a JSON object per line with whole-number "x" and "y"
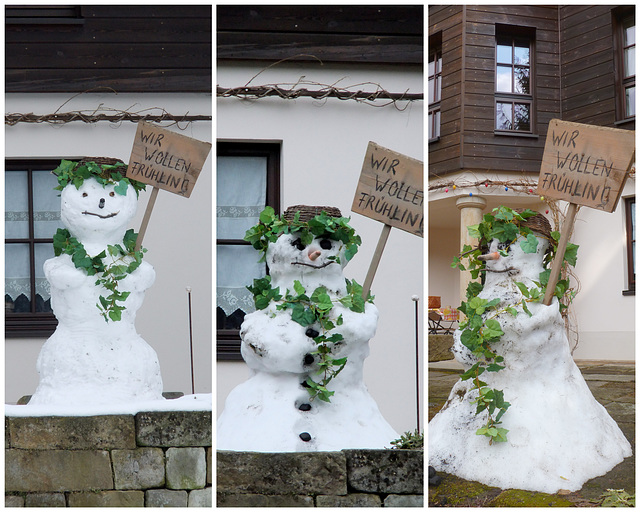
{"x": 289, "y": 91}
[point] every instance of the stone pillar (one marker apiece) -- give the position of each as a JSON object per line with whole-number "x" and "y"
{"x": 470, "y": 213}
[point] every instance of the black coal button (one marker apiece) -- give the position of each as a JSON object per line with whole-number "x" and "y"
{"x": 311, "y": 333}
{"x": 305, "y": 436}
{"x": 308, "y": 359}
{"x": 305, "y": 407}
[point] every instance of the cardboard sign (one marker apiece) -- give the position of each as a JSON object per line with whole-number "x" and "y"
{"x": 166, "y": 160}
{"x": 391, "y": 190}
{"x": 586, "y": 165}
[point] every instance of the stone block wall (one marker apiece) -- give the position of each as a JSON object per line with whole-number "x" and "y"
{"x": 350, "y": 478}
{"x": 152, "y": 459}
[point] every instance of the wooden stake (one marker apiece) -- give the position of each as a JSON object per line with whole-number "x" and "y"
{"x": 375, "y": 260}
{"x": 147, "y": 216}
{"x": 556, "y": 266}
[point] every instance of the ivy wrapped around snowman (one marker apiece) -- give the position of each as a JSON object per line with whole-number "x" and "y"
{"x": 305, "y": 344}
{"x": 521, "y": 416}
{"x": 98, "y": 281}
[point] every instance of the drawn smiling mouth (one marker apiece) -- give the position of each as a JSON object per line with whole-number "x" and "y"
{"x": 312, "y": 266}
{"x": 101, "y": 216}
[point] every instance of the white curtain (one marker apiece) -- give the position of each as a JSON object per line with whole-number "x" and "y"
{"x": 46, "y": 220}
{"x": 241, "y": 196}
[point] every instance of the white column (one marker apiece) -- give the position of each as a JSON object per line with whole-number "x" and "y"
{"x": 470, "y": 214}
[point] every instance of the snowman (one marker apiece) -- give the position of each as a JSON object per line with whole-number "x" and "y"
{"x": 559, "y": 436}
{"x": 279, "y": 409}
{"x": 95, "y": 355}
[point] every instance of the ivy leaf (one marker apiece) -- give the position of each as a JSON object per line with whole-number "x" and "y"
{"x": 298, "y": 288}
{"x": 571, "y": 254}
{"x": 530, "y": 245}
{"x": 122, "y": 187}
{"x": 523, "y": 289}
{"x": 267, "y": 215}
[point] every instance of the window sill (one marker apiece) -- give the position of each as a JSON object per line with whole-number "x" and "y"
{"x": 628, "y": 293}
{"x": 516, "y": 134}
{"x": 435, "y": 139}
{"x": 623, "y": 122}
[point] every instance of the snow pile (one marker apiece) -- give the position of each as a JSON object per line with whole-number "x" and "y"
{"x": 88, "y": 360}
{"x": 272, "y": 411}
{"x": 559, "y": 435}
{"x": 197, "y": 402}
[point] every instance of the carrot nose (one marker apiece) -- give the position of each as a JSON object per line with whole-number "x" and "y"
{"x": 490, "y": 256}
{"x": 313, "y": 255}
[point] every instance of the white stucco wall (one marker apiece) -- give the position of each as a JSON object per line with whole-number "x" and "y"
{"x": 604, "y": 317}
{"x": 178, "y": 238}
{"x": 323, "y": 147}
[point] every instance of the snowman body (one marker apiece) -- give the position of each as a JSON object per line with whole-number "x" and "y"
{"x": 87, "y": 359}
{"x": 272, "y": 410}
{"x": 559, "y": 435}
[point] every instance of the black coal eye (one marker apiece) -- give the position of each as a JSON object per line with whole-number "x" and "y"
{"x": 504, "y": 245}
{"x": 325, "y": 244}
{"x": 297, "y": 243}
{"x": 84, "y": 194}
{"x": 112, "y": 194}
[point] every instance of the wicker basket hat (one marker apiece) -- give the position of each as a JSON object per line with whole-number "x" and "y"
{"x": 104, "y": 160}
{"x": 309, "y": 212}
{"x": 537, "y": 223}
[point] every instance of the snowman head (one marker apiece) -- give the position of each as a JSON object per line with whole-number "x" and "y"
{"x": 308, "y": 243}
{"x": 97, "y": 202}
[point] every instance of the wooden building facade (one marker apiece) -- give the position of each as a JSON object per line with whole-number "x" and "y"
{"x": 573, "y": 71}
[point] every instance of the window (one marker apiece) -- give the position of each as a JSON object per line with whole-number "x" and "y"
{"x": 625, "y": 45}
{"x": 32, "y": 216}
{"x": 248, "y": 177}
{"x": 630, "y": 214}
{"x": 514, "y": 97}
{"x": 435, "y": 89}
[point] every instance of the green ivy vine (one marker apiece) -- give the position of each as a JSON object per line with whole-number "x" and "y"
{"x": 271, "y": 226}
{"x": 314, "y": 310}
{"x": 481, "y": 328}
{"x": 109, "y": 275}
{"x": 106, "y": 174}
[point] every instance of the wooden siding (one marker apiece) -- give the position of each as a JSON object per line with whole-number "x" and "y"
{"x": 129, "y": 48}
{"x": 587, "y": 53}
{"x": 364, "y": 34}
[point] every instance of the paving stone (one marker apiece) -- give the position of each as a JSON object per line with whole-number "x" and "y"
{"x": 57, "y": 470}
{"x": 209, "y": 467}
{"x": 279, "y": 473}
{"x": 186, "y": 468}
{"x": 201, "y": 498}
{"x": 72, "y": 432}
{"x": 404, "y": 500}
{"x": 386, "y": 471}
{"x": 107, "y": 499}
{"x": 45, "y": 499}
{"x": 174, "y": 428}
{"x": 13, "y": 501}
{"x": 165, "y": 498}
{"x": 350, "y": 500}
{"x": 142, "y": 468}
{"x": 263, "y": 500}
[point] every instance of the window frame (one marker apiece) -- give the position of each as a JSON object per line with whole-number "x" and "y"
{"x": 622, "y": 82}
{"x": 228, "y": 340}
{"x": 630, "y": 235}
{"x": 434, "y": 107}
{"x": 515, "y": 34}
{"x": 33, "y": 324}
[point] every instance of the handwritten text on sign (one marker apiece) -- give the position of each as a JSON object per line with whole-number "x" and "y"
{"x": 585, "y": 164}
{"x": 390, "y": 190}
{"x": 166, "y": 160}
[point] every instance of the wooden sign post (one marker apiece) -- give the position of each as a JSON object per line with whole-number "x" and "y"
{"x": 390, "y": 190}
{"x": 165, "y": 160}
{"x": 584, "y": 165}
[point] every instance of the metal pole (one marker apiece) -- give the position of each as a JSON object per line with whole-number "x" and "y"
{"x": 193, "y": 387}
{"x": 416, "y": 299}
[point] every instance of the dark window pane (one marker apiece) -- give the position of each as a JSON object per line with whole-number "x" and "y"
{"x": 521, "y": 81}
{"x": 522, "y": 117}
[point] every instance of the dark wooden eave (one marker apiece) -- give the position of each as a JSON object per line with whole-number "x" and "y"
{"x": 375, "y": 34}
